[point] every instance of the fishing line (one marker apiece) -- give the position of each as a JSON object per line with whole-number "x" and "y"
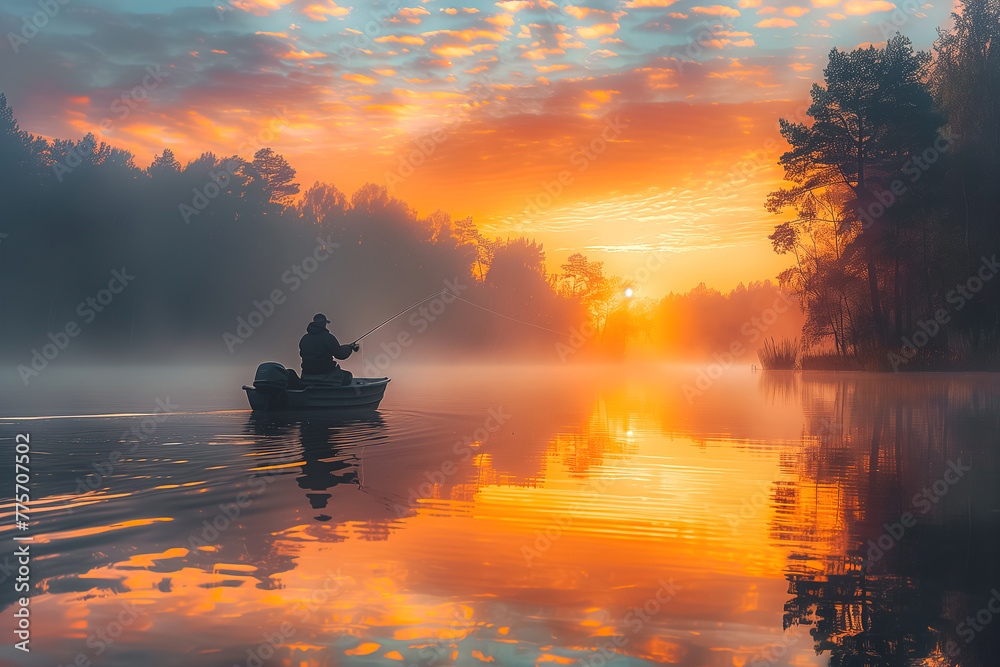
{"x": 400, "y": 313}
{"x": 512, "y": 319}
{"x": 471, "y": 303}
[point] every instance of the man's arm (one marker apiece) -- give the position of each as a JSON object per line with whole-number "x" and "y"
{"x": 336, "y": 349}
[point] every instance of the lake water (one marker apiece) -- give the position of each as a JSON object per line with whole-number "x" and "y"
{"x": 510, "y": 515}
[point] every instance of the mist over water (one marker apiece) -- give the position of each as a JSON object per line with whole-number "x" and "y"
{"x": 524, "y": 513}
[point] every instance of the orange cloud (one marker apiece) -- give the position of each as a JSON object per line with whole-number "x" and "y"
{"x": 513, "y": 5}
{"x": 796, "y": 11}
{"x": 259, "y": 7}
{"x": 469, "y": 34}
{"x": 301, "y": 55}
{"x": 433, "y": 95}
{"x": 390, "y": 109}
{"x": 747, "y": 4}
{"x": 360, "y": 78}
{"x": 551, "y": 68}
{"x": 602, "y": 95}
{"x": 539, "y": 54}
{"x": 320, "y": 12}
{"x": 501, "y": 20}
{"x": 777, "y": 23}
{"x": 716, "y": 10}
{"x": 637, "y": 4}
{"x": 404, "y": 39}
{"x": 825, "y": 3}
{"x": 862, "y": 7}
{"x": 737, "y": 71}
{"x": 412, "y": 11}
{"x": 598, "y": 30}
{"x": 452, "y": 51}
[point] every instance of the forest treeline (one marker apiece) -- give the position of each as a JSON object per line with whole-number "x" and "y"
{"x": 226, "y": 254}
{"x": 895, "y": 191}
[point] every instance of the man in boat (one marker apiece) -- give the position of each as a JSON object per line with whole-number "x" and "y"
{"x": 318, "y": 348}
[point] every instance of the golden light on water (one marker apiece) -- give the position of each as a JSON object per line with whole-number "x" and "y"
{"x": 621, "y": 518}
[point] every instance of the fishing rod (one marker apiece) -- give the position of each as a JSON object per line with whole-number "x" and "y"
{"x": 400, "y": 313}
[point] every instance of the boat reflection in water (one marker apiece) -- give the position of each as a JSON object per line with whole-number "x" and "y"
{"x": 776, "y": 519}
{"x": 329, "y": 456}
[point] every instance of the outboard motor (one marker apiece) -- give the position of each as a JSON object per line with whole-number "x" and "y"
{"x": 271, "y": 381}
{"x": 270, "y": 375}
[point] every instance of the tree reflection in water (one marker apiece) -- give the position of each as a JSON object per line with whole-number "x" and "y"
{"x": 919, "y": 550}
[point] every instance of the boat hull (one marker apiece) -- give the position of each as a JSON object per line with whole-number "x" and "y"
{"x": 361, "y": 394}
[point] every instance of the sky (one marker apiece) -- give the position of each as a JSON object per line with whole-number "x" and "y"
{"x": 632, "y": 131}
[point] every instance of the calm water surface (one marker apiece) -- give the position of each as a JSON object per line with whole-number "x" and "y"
{"x": 516, "y": 516}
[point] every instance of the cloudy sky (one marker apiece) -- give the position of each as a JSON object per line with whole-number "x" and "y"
{"x": 617, "y": 128}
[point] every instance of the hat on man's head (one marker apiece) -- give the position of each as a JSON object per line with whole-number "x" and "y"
{"x": 320, "y": 318}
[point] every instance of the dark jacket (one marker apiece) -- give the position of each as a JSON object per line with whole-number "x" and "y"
{"x": 318, "y": 348}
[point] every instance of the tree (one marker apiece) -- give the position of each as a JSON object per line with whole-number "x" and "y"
{"x": 966, "y": 83}
{"x": 25, "y": 158}
{"x": 469, "y": 234}
{"x": 324, "y": 204}
{"x": 517, "y": 279}
{"x": 966, "y": 75}
{"x": 164, "y": 164}
{"x": 873, "y": 113}
{"x": 275, "y": 176}
{"x": 585, "y": 277}
{"x": 11, "y": 142}
{"x": 824, "y": 282}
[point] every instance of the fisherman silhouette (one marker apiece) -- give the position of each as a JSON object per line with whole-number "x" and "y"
{"x": 318, "y": 348}
{"x": 320, "y": 443}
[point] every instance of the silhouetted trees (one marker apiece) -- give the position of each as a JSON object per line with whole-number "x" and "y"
{"x": 895, "y": 195}
{"x": 599, "y": 294}
{"x": 209, "y": 243}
